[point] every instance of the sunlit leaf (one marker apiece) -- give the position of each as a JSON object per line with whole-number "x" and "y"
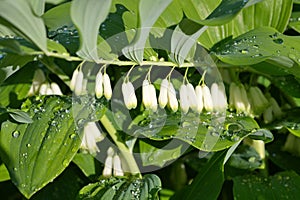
{"x": 20, "y": 116}
{"x": 88, "y": 164}
{"x": 26, "y": 22}
{"x": 58, "y": 16}
{"x": 258, "y": 15}
{"x": 4, "y": 175}
{"x": 36, "y": 153}
{"x": 38, "y": 6}
{"x": 149, "y": 11}
{"x": 87, "y": 16}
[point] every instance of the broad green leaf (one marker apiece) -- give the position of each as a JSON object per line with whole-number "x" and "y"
{"x": 25, "y": 22}
{"x": 36, "y": 153}
{"x": 208, "y": 183}
{"x": 38, "y": 6}
{"x": 119, "y": 189}
{"x": 261, "y": 44}
{"x": 87, "y": 17}
{"x": 158, "y": 156}
{"x": 205, "y": 132}
{"x": 4, "y": 175}
{"x": 295, "y": 22}
{"x": 16, "y": 87}
{"x": 283, "y": 185}
{"x": 20, "y": 116}
{"x": 58, "y": 16}
{"x": 88, "y": 164}
{"x": 65, "y": 186}
{"x": 291, "y": 121}
{"x": 255, "y": 16}
{"x": 149, "y": 11}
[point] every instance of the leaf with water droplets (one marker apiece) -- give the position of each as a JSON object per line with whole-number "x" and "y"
{"x": 122, "y": 188}
{"x": 154, "y": 153}
{"x": 38, "y": 152}
{"x": 283, "y": 185}
{"x": 262, "y": 44}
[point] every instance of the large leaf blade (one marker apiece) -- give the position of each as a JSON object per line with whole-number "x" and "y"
{"x": 25, "y": 22}
{"x": 87, "y": 16}
{"x": 36, "y": 153}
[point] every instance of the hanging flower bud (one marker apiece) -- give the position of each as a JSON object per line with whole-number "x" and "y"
{"x": 275, "y": 108}
{"x": 49, "y": 90}
{"x": 184, "y": 103}
{"x": 268, "y": 115}
{"x": 129, "y": 97}
{"x": 173, "y": 103}
{"x": 91, "y": 135}
{"x": 99, "y": 85}
{"x": 199, "y": 96}
{"x": 258, "y": 101}
{"x": 244, "y": 99}
{"x": 79, "y": 83}
{"x": 117, "y": 166}
{"x": 218, "y": 97}
{"x": 152, "y": 94}
{"x": 43, "y": 89}
{"x": 145, "y": 94}
{"x": 74, "y": 79}
{"x": 192, "y": 98}
{"x": 207, "y": 99}
{"x": 38, "y": 79}
{"x": 163, "y": 94}
{"x": 108, "y": 165}
{"x": 107, "y": 87}
{"x": 56, "y": 89}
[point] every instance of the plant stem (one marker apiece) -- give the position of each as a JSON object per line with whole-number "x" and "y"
{"x": 127, "y": 155}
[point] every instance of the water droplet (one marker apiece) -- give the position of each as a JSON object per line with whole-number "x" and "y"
{"x": 65, "y": 163}
{"x": 28, "y": 145}
{"x": 16, "y": 134}
{"x": 252, "y": 159}
{"x": 235, "y": 138}
{"x": 278, "y": 41}
{"x": 15, "y": 169}
{"x": 255, "y": 46}
{"x": 244, "y": 51}
{"x": 150, "y": 159}
{"x": 73, "y": 136}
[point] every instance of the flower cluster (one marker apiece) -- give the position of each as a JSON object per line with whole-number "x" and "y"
{"x": 190, "y": 97}
{"x": 113, "y": 164}
{"x": 79, "y": 82}
{"x": 41, "y": 86}
{"x": 253, "y": 102}
{"x": 91, "y": 135}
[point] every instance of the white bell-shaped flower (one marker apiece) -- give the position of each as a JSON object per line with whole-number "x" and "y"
{"x": 117, "y": 166}
{"x": 108, "y": 164}
{"x": 192, "y": 97}
{"x": 218, "y": 97}
{"x": 99, "y": 85}
{"x": 79, "y": 83}
{"x": 38, "y": 79}
{"x": 258, "y": 100}
{"x": 129, "y": 96}
{"x": 56, "y": 89}
{"x": 275, "y": 108}
{"x": 244, "y": 98}
{"x": 207, "y": 99}
{"x": 145, "y": 94}
{"x": 184, "y": 102}
{"x": 91, "y": 135}
{"x": 163, "y": 94}
{"x": 172, "y": 100}
{"x": 199, "y": 96}
{"x": 107, "y": 86}
{"x": 74, "y": 79}
{"x": 152, "y": 93}
{"x": 43, "y": 89}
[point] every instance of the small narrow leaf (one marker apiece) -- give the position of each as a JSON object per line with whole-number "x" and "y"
{"x": 20, "y": 116}
{"x": 87, "y": 16}
{"x": 38, "y": 6}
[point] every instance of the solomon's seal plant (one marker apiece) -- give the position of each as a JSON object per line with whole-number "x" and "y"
{"x": 140, "y": 99}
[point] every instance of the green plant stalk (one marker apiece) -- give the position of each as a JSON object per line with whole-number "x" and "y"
{"x": 127, "y": 155}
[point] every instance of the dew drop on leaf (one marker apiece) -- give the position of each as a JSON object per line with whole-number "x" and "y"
{"x": 16, "y": 134}
{"x": 28, "y": 145}
{"x": 278, "y": 41}
{"x": 73, "y": 136}
{"x": 65, "y": 163}
{"x": 244, "y": 51}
